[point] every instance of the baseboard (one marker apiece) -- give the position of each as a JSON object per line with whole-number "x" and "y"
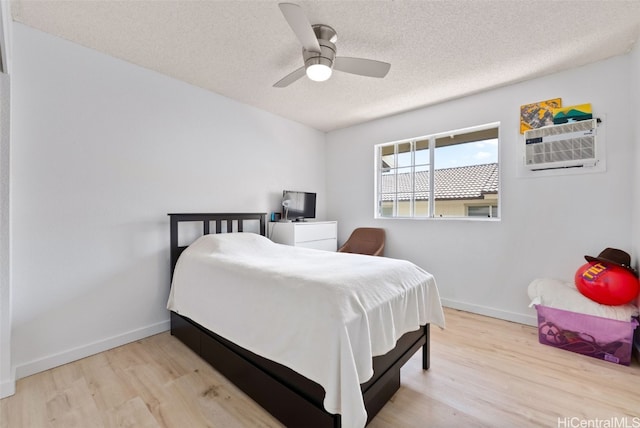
{"x": 491, "y": 312}
{"x": 8, "y": 387}
{"x": 55, "y": 360}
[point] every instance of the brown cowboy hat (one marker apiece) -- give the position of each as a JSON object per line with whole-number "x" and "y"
{"x": 614, "y": 256}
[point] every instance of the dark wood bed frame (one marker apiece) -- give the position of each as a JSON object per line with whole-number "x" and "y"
{"x": 290, "y": 397}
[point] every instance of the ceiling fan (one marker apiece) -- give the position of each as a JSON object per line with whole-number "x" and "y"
{"x": 319, "y": 51}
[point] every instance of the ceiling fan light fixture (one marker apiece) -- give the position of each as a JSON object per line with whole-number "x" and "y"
{"x": 319, "y": 65}
{"x": 319, "y": 72}
{"x": 319, "y": 51}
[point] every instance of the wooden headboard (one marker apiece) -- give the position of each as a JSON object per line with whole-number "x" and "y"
{"x": 206, "y": 219}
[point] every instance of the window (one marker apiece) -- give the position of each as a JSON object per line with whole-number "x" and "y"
{"x": 482, "y": 211}
{"x": 451, "y": 174}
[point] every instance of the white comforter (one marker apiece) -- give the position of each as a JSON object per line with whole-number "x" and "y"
{"x": 323, "y": 314}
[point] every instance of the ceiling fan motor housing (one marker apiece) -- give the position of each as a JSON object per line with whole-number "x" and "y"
{"x": 326, "y": 38}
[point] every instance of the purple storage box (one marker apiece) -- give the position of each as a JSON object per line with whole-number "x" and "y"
{"x": 637, "y": 343}
{"x": 603, "y": 338}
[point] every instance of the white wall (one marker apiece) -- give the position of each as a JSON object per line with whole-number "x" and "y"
{"x": 548, "y": 224}
{"x": 7, "y": 386}
{"x": 102, "y": 150}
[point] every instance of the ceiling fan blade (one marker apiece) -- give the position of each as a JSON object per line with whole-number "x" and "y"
{"x": 361, "y": 66}
{"x": 300, "y": 25}
{"x": 290, "y": 78}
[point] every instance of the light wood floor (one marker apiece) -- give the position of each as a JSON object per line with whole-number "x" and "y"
{"x": 484, "y": 372}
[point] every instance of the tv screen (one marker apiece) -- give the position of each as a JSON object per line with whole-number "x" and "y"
{"x": 301, "y": 205}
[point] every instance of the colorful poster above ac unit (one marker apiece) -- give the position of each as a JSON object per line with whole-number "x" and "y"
{"x": 572, "y": 114}
{"x": 538, "y": 114}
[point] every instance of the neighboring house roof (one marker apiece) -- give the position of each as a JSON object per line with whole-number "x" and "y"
{"x": 465, "y": 182}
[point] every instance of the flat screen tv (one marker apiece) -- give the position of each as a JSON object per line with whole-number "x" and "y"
{"x": 297, "y": 206}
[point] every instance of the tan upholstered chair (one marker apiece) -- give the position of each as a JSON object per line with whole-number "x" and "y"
{"x": 365, "y": 240}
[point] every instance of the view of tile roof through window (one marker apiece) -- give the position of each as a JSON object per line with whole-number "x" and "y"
{"x": 466, "y": 182}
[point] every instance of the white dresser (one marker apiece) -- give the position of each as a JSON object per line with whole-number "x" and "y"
{"x": 321, "y": 235}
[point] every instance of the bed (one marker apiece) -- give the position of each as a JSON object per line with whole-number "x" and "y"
{"x": 250, "y": 352}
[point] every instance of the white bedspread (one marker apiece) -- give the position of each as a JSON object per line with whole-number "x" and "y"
{"x": 322, "y": 314}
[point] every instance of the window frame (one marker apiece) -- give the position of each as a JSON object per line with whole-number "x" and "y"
{"x": 431, "y": 190}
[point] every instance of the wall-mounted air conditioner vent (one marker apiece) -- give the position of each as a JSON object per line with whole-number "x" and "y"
{"x": 561, "y": 146}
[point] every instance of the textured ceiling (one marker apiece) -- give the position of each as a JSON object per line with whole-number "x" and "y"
{"x": 438, "y": 50}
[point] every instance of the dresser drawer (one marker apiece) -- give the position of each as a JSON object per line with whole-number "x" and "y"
{"x": 323, "y": 244}
{"x": 315, "y": 232}
{"x": 321, "y": 235}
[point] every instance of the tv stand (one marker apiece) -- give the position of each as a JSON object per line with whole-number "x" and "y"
{"x": 320, "y": 235}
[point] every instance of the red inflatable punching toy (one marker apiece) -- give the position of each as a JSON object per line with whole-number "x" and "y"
{"x": 606, "y": 283}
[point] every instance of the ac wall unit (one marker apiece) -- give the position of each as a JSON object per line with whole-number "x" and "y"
{"x": 567, "y": 145}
